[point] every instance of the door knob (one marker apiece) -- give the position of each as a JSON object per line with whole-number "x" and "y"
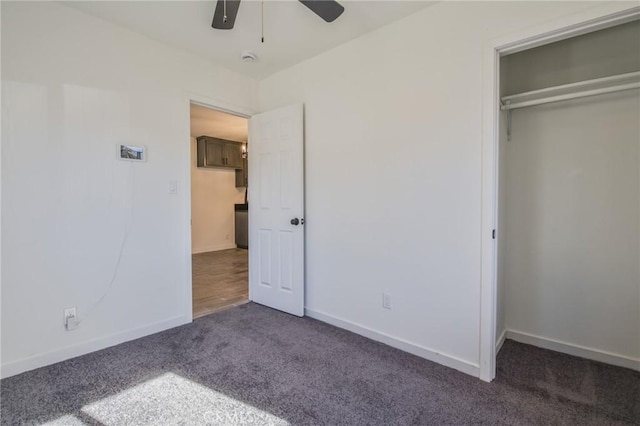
{"x": 295, "y": 221}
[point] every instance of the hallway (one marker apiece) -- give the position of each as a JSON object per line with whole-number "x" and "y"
{"x": 220, "y": 279}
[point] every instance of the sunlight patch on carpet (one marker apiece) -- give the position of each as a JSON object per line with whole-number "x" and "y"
{"x": 172, "y": 399}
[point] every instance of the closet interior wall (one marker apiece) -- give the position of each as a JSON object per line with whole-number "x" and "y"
{"x": 569, "y": 202}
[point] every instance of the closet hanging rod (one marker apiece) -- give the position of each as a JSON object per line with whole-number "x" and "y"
{"x": 577, "y": 90}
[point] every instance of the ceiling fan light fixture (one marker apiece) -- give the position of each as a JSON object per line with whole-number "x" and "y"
{"x": 247, "y": 56}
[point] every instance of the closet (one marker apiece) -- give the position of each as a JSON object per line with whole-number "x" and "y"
{"x": 569, "y": 196}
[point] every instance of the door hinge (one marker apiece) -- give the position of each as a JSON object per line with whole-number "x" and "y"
{"x": 493, "y": 234}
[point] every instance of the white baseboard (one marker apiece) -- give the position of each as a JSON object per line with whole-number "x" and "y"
{"x": 41, "y": 360}
{"x": 501, "y": 340}
{"x": 575, "y": 350}
{"x": 429, "y": 354}
{"x": 218, "y": 247}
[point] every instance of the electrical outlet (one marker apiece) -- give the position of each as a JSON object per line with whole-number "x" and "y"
{"x": 70, "y": 318}
{"x": 227, "y": 236}
{"x": 386, "y": 300}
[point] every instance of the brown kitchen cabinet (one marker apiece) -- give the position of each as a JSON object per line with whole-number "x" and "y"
{"x": 214, "y": 152}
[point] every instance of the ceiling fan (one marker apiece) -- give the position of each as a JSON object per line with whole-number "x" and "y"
{"x": 224, "y": 17}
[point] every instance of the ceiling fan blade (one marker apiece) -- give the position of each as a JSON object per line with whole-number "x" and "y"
{"x": 328, "y": 10}
{"x": 232, "y": 7}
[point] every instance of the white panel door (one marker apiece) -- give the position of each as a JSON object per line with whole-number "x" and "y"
{"x": 276, "y": 209}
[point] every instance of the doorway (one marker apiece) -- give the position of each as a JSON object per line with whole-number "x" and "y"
{"x": 219, "y": 209}
{"x": 568, "y": 196}
{"x": 595, "y": 19}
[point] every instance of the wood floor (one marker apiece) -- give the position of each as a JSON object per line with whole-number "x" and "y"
{"x": 220, "y": 279}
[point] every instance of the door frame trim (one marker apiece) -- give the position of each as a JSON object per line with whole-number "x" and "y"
{"x": 589, "y": 20}
{"x": 207, "y": 102}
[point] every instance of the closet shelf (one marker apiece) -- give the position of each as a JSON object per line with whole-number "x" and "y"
{"x": 598, "y": 86}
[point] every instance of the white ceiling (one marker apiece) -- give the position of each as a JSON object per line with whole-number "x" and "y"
{"x": 292, "y": 32}
{"x": 209, "y": 122}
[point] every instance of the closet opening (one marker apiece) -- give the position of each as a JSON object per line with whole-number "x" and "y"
{"x": 219, "y": 210}
{"x": 568, "y": 199}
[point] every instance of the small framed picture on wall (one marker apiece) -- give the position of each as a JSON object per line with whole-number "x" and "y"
{"x": 132, "y": 152}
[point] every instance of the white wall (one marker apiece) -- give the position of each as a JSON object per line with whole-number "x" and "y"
{"x": 573, "y": 223}
{"x": 395, "y": 116}
{"x": 72, "y": 88}
{"x": 213, "y": 195}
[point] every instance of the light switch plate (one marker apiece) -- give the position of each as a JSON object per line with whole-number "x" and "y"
{"x": 173, "y": 187}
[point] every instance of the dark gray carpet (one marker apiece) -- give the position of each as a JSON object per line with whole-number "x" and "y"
{"x": 254, "y": 365}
